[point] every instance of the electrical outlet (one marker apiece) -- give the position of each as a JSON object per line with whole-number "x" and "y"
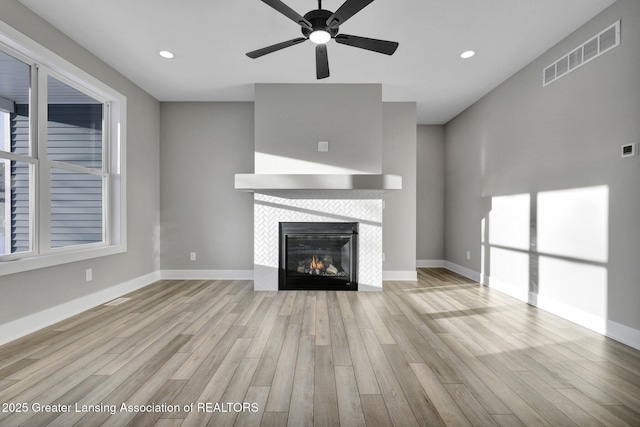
{"x": 88, "y": 275}
{"x": 468, "y": 255}
{"x": 192, "y": 256}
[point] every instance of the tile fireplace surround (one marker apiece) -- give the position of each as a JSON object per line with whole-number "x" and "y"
{"x": 362, "y": 206}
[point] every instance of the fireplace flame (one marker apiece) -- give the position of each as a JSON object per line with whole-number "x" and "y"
{"x": 316, "y": 263}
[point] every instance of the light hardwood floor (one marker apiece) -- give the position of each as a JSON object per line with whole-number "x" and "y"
{"x": 440, "y": 351}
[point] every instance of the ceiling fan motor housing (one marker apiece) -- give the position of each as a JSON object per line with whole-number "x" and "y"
{"x": 318, "y": 19}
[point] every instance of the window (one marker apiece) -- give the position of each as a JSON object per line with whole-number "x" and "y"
{"x": 61, "y": 151}
{"x": 77, "y": 177}
{"x": 16, "y": 159}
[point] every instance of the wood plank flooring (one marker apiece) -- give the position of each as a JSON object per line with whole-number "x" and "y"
{"x": 439, "y": 351}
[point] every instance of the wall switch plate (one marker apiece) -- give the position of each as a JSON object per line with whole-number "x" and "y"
{"x": 468, "y": 255}
{"x": 88, "y": 275}
{"x": 323, "y": 146}
{"x": 192, "y": 256}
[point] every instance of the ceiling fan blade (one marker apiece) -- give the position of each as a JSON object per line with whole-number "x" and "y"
{"x": 288, "y": 12}
{"x": 380, "y": 46}
{"x": 346, "y": 11}
{"x": 269, "y": 49}
{"x": 322, "y": 62}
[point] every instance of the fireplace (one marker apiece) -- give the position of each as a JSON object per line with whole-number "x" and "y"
{"x": 318, "y": 256}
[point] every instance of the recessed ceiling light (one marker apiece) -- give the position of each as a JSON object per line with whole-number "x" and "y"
{"x": 467, "y": 54}
{"x": 166, "y": 54}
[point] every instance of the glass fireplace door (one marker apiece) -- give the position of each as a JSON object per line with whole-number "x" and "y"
{"x": 318, "y": 256}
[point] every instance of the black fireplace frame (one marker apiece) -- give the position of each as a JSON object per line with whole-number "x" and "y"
{"x": 317, "y": 283}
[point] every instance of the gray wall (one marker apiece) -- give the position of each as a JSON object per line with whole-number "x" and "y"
{"x": 399, "y": 215}
{"x": 34, "y": 291}
{"x": 525, "y": 139}
{"x": 202, "y": 146}
{"x": 292, "y": 118}
{"x": 430, "y": 193}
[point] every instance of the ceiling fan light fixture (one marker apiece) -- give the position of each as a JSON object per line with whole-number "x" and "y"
{"x": 320, "y": 37}
{"x": 320, "y": 26}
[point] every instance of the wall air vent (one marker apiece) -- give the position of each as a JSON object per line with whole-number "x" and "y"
{"x": 594, "y": 47}
{"x": 629, "y": 150}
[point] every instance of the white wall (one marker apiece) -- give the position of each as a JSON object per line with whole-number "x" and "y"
{"x": 535, "y": 185}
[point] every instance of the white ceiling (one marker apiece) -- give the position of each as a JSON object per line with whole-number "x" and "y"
{"x": 210, "y": 39}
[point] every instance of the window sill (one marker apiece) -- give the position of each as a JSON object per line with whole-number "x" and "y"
{"x": 20, "y": 265}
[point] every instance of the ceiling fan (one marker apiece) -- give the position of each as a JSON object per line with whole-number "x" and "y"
{"x": 322, "y": 25}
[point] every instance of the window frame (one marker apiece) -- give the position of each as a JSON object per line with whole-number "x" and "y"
{"x": 45, "y": 63}
{"x": 46, "y": 170}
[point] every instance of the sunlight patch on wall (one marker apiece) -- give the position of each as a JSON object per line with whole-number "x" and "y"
{"x": 577, "y": 284}
{"x": 509, "y": 221}
{"x": 511, "y": 271}
{"x": 270, "y": 163}
{"x": 555, "y": 259}
{"x": 574, "y": 223}
{"x": 505, "y": 244}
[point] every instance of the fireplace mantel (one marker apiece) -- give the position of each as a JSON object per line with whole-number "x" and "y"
{"x": 266, "y": 182}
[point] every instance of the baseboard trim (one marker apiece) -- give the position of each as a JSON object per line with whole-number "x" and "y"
{"x": 463, "y": 271}
{"x": 623, "y": 334}
{"x": 606, "y": 327}
{"x": 590, "y": 321}
{"x": 395, "y": 275}
{"x": 616, "y": 331}
{"x": 206, "y": 274}
{"x": 34, "y": 322}
{"x": 508, "y": 289}
{"x": 430, "y": 263}
{"x": 400, "y": 276}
